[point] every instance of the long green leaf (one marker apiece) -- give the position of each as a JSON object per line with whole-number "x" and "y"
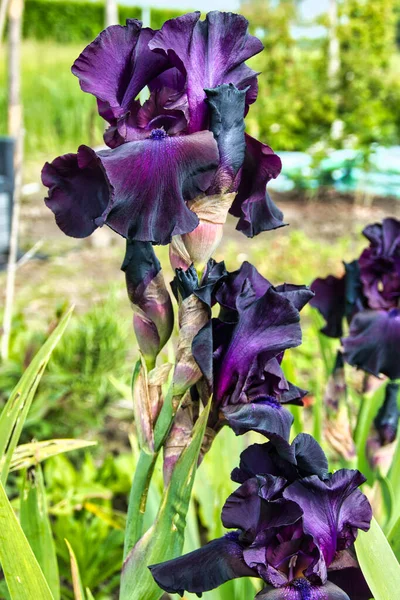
{"x": 28, "y": 455}
{"x": 25, "y": 579}
{"x": 13, "y": 416}
{"x": 394, "y": 538}
{"x": 370, "y": 404}
{"x": 378, "y": 563}
{"x": 35, "y": 522}
{"x": 164, "y": 540}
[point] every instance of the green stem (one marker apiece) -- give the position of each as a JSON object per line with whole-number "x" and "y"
{"x": 138, "y": 499}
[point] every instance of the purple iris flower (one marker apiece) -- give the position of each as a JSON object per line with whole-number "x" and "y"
{"x": 241, "y": 351}
{"x": 380, "y": 265}
{"x": 186, "y": 140}
{"x": 387, "y": 420}
{"x": 294, "y": 526}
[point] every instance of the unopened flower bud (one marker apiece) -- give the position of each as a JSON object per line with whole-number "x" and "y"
{"x": 148, "y": 400}
{"x": 193, "y": 315}
{"x": 153, "y": 314}
{"x": 387, "y": 419}
{"x": 336, "y": 388}
{"x": 199, "y": 245}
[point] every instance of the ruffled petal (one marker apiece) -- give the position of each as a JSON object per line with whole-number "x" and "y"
{"x": 253, "y": 205}
{"x": 266, "y": 417}
{"x": 330, "y": 301}
{"x": 304, "y": 591}
{"x": 79, "y": 192}
{"x": 352, "y": 581}
{"x": 205, "y": 569}
{"x": 334, "y": 509}
{"x": 117, "y": 65}
{"x": 268, "y": 326}
{"x": 227, "y": 107}
{"x": 209, "y": 53}
{"x": 138, "y": 189}
{"x": 373, "y": 342}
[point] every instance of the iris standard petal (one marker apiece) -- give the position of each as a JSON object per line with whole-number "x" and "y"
{"x": 253, "y": 205}
{"x": 373, "y": 342}
{"x": 205, "y": 569}
{"x": 227, "y": 108}
{"x": 333, "y": 509}
{"x": 268, "y": 326}
{"x": 117, "y": 65}
{"x": 209, "y": 53}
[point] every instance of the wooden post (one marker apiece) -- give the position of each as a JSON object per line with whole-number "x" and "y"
{"x": 3, "y": 14}
{"x": 15, "y": 129}
{"x": 111, "y": 16}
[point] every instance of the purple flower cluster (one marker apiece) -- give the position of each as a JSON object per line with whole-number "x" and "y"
{"x": 173, "y": 168}
{"x": 294, "y": 527}
{"x": 368, "y": 297}
{"x": 185, "y": 141}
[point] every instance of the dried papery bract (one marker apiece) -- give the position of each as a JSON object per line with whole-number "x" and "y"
{"x": 198, "y": 246}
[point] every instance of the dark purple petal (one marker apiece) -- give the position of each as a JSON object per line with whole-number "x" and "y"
{"x": 352, "y": 581}
{"x": 209, "y": 53}
{"x": 334, "y": 509}
{"x": 227, "y": 107}
{"x": 147, "y": 183}
{"x": 299, "y": 295}
{"x": 330, "y": 301}
{"x": 205, "y": 569}
{"x": 117, "y": 65}
{"x": 78, "y": 191}
{"x": 255, "y": 506}
{"x": 252, "y": 205}
{"x": 310, "y": 458}
{"x": 387, "y": 419}
{"x": 257, "y": 459}
{"x": 265, "y": 416}
{"x": 373, "y": 342}
{"x": 354, "y": 296}
{"x": 380, "y": 264}
{"x": 304, "y": 591}
{"x": 267, "y": 327}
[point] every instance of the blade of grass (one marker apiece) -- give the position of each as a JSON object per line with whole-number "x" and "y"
{"x": 28, "y": 455}
{"x": 76, "y": 577}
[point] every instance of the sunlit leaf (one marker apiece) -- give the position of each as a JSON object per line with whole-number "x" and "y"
{"x": 35, "y": 522}
{"x": 25, "y": 579}
{"x": 28, "y": 455}
{"x": 164, "y": 540}
{"x": 378, "y": 563}
{"x": 14, "y": 413}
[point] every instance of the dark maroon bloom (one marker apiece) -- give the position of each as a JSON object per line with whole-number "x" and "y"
{"x": 153, "y": 313}
{"x": 387, "y": 419}
{"x": 185, "y": 141}
{"x": 208, "y": 53}
{"x": 380, "y": 265}
{"x": 257, "y": 323}
{"x": 338, "y": 298}
{"x": 139, "y": 189}
{"x": 373, "y": 342}
{"x": 290, "y": 532}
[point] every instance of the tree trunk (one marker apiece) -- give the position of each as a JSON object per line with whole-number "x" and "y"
{"x": 15, "y": 129}
{"x": 111, "y": 12}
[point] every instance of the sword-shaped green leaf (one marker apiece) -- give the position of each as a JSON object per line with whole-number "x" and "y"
{"x": 24, "y": 577}
{"x": 14, "y": 413}
{"x": 29, "y": 455}
{"x": 35, "y": 522}
{"x": 164, "y": 540}
{"x": 378, "y": 563}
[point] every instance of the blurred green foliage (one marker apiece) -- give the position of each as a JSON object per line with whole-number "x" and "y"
{"x": 65, "y": 22}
